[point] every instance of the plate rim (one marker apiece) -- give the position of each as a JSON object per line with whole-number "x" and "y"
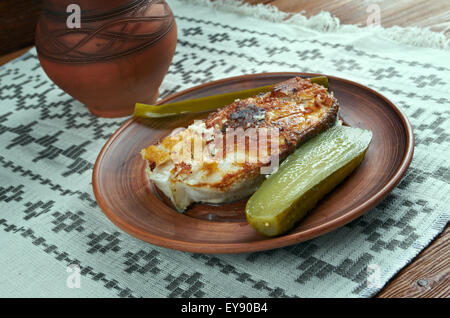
{"x": 270, "y": 243}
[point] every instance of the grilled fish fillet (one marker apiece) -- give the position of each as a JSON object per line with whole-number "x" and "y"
{"x": 220, "y": 159}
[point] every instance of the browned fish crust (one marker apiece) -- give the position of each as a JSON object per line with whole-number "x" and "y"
{"x": 251, "y": 113}
{"x": 295, "y": 109}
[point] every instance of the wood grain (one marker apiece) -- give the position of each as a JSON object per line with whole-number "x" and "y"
{"x": 18, "y": 17}
{"x": 422, "y": 13}
{"x": 432, "y": 264}
{"x": 18, "y": 23}
{"x": 427, "y": 276}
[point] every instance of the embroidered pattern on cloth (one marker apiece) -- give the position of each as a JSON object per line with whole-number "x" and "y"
{"x": 49, "y": 142}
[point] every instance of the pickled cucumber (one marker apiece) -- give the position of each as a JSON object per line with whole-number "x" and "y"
{"x": 206, "y": 103}
{"x": 306, "y": 176}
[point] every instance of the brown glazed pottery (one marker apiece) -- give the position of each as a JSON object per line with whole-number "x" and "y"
{"x": 118, "y": 56}
{"x": 129, "y": 200}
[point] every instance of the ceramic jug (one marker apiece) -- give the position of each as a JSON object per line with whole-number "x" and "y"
{"x": 108, "y": 54}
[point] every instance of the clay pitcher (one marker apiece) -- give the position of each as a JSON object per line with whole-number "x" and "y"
{"x": 117, "y": 55}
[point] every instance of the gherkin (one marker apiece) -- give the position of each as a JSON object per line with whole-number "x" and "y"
{"x": 305, "y": 177}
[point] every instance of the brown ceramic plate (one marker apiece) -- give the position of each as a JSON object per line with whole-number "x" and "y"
{"x": 132, "y": 203}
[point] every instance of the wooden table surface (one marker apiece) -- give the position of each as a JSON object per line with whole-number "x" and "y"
{"x": 434, "y": 14}
{"x": 428, "y": 275}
